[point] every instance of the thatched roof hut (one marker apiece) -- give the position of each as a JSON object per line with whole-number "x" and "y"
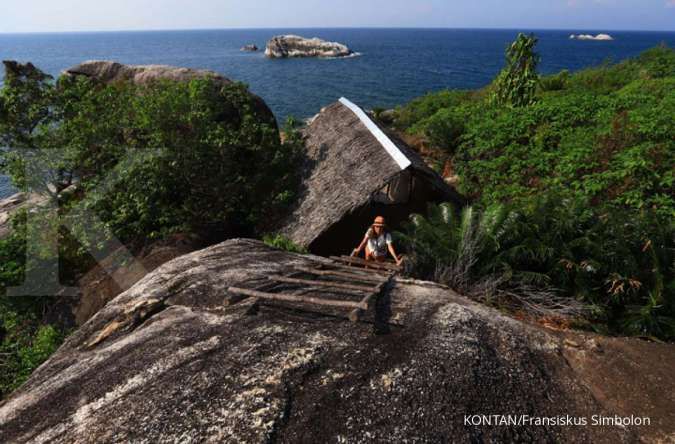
{"x": 357, "y": 170}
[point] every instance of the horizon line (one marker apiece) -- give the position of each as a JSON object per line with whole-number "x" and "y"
{"x": 236, "y": 28}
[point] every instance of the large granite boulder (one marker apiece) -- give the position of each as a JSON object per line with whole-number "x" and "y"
{"x": 167, "y": 361}
{"x": 115, "y": 273}
{"x": 108, "y": 72}
{"x": 284, "y": 46}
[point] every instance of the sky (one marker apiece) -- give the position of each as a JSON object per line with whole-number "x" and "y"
{"x": 92, "y": 15}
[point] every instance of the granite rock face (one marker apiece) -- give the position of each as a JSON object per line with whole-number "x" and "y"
{"x": 108, "y": 72}
{"x": 167, "y": 361}
{"x": 285, "y": 46}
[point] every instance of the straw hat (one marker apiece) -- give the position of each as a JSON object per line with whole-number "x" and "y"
{"x": 379, "y": 222}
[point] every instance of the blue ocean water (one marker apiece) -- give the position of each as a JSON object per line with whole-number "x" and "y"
{"x": 394, "y": 66}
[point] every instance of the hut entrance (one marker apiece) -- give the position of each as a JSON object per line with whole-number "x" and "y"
{"x": 396, "y": 201}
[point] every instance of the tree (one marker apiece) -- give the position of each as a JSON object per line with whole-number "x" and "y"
{"x": 516, "y": 84}
{"x": 186, "y": 156}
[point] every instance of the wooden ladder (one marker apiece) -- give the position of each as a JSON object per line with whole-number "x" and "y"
{"x": 347, "y": 275}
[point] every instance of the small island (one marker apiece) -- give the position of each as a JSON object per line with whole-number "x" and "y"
{"x": 605, "y": 37}
{"x": 286, "y": 46}
{"x": 250, "y": 48}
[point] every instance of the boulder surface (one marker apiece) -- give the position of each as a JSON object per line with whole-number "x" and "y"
{"x": 108, "y": 72}
{"x": 284, "y": 46}
{"x": 167, "y": 361}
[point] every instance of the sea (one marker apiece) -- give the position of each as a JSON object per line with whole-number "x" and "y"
{"x": 391, "y": 66}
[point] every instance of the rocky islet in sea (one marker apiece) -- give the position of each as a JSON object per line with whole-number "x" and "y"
{"x": 285, "y": 46}
{"x": 605, "y": 37}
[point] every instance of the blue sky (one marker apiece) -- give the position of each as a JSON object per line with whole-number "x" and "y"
{"x": 92, "y": 15}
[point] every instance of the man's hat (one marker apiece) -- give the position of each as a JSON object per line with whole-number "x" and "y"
{"x": 379, "y": 222}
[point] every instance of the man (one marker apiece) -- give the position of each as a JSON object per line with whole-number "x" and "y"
{"x": 378, "y": 242}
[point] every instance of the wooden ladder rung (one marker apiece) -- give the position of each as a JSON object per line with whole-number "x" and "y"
{"x": 357, "y": 269}
{"x": 295, "y": 298}
{"x": 233, "y": 299}
{"x": 343, "y": 274}
{"x": 372, "y": 264}
{"x": 315, "y": 283}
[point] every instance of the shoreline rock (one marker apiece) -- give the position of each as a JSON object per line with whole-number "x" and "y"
{"x": 285, "y": 46}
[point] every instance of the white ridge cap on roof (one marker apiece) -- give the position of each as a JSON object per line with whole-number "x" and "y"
{"x": 385, "y": 141}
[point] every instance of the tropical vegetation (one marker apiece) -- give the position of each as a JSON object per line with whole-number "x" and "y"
{"x": 571, "y": 183}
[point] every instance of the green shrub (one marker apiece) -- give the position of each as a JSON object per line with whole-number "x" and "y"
{"x": 474, "y": 252}
{"x": 555, "y": 82}
{"x": 585, "y": 172}
{"x": 615, "y": 148}
{"x": 555, "y": 251}
{"x": 24, "y": 346}
{"x": 13, "y": 252}
{"x": 186, "y": 156}
{"x": 25, "y": 340}
{"x": 424, "y": 107}
{"x": 281, "y": 242}
{"x": 445, "y": 128}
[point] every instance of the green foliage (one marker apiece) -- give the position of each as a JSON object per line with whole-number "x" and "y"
{"x": 602, "y": 134}
{"x": 24, "y": 345}
{"x": 655, "y": 63}
{"x": 585, "y": 174}
{"x": 620, "y": 264}
{"x": 25, "y": 341}
{"x": 462, "y": 244}
{"x": 13, "y": 252}
{"x": 516, "y": 84}
{"x": 184, "y": 156}
{"x": 617, "y": 148}
{"x": 555, "y": 82}
{"x": 283, "y": 243}
{"x": 445, "y": 128}
{"x": 424, "y": 107}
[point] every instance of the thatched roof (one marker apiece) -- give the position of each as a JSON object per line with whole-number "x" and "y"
{"x": 350, "y": 158}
